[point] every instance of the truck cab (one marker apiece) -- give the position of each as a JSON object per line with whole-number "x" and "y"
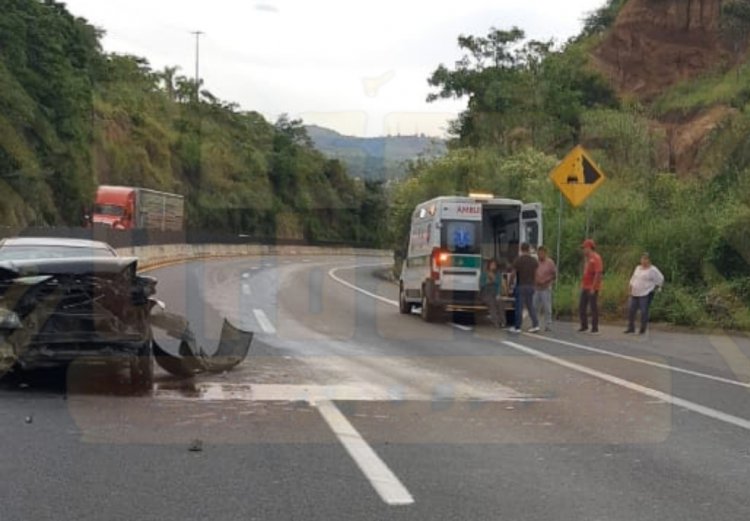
{"x": 114, "y": 207}
{"x": 451, "y": 241}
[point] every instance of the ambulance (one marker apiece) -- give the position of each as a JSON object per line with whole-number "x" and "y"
{"x": 451, "y": 241}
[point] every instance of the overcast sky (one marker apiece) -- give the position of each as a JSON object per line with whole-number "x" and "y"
{"x": 358, "y": 67}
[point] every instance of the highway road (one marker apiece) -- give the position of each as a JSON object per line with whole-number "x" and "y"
{"x": 348, "y": 410}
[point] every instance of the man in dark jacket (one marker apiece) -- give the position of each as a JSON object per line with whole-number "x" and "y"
{"x": 525, "y": 267}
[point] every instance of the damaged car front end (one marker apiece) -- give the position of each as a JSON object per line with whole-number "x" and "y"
{"x": 55, "y": 311}
{"x": 98, "y": 308}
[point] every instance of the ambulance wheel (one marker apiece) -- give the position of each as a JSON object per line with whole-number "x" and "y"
{"x": 430, "y": 312}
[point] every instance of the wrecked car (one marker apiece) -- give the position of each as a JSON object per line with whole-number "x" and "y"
{"x": 63, "y": 300}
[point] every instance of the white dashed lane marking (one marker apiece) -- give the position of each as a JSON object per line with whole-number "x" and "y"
{"x": 264, "y": 322}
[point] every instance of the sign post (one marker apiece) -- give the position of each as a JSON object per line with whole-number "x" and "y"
{"x": 577, "y": 177}
{"x": 559, "y": 235}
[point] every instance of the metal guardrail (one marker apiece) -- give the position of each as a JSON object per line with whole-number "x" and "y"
{"x": 135, "y": 238}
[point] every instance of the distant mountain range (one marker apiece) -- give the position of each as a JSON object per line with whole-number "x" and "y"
{"x": 378, "y": 158}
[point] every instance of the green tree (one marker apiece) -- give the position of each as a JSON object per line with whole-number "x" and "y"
{"x": 602, "y": 19}
{"x": 735, "y": 27}
{"x": 519, "y": 92}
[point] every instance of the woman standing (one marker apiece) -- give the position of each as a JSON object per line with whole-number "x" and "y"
{"x": 492, "y": 285}
{"x": 645, "y": 281}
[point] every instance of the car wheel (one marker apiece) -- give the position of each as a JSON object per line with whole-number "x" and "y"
{"x": 142, "y": 371}
{"x": 403, "y": 306}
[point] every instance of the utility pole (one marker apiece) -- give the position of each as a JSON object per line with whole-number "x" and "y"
{"x": 198, "y": 35}
{"x": 199, "y": 166}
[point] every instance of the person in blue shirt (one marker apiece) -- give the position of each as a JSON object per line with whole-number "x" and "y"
{"x": 491, "y": 284}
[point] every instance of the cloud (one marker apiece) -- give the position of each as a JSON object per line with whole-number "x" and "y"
{"x": 266, "y": 8}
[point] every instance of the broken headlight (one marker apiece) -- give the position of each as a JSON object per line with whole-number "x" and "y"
{"x": 9, "y": 319}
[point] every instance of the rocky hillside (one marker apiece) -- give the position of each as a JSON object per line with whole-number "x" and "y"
{"x": 657, "y": 43}
{"x": 673, "y": 57}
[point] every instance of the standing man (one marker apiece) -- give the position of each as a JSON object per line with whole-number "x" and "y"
{"x": 591, "y": 285}
{"x": 645, "y": 281}
{"x": 525, "y": 267}
{"x": 546, "y": 274}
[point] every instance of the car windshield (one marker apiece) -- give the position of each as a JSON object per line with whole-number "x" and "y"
{"x": 376, "y": 259}
{"x": 13, "y": 253}
{"x": 109, "y": 209}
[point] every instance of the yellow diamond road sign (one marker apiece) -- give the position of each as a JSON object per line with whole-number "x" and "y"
{"x": 577, "y": 176}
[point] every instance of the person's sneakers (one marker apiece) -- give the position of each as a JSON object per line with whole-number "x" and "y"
{"x": 514, "y": 330}
{"x": 630, "y": 331}
{"x": 534, "y": 329}
{"x": 641, "y": 332}
{"x": 583, "y": 329}
{"x": 594, "y": 332}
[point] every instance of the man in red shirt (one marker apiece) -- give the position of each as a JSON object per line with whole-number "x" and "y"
{"x": 591, "y": 285}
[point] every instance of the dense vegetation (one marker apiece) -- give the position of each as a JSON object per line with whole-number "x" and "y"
{"x": 73, "y": 117}
{"x": 529, "y": 102}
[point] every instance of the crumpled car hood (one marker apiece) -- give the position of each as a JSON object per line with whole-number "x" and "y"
{"x": 15, "y": 269}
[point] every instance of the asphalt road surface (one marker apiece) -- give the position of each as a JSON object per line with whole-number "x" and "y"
{"x": 348, "y": 410}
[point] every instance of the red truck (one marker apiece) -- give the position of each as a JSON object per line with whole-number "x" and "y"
{"x": 129, "y": 208}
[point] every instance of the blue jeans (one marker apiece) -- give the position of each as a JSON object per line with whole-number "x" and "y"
{"x": 641, "y": 304}
{"x": 525, "y": 298}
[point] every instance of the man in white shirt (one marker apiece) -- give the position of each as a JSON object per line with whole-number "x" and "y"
{"x": 645, "y": 281}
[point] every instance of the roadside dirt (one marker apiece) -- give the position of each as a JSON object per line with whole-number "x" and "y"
{"x": 657, "y": 43}
{"x": 685, "y": 138}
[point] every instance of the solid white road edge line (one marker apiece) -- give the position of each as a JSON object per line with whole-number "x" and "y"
{"x": 653, "y": 393}
{"x": 383, "y": 480}
{"x": 554, "y": 340}
{"x": 388, "y": 301}
{"x": 632, "y": 386}
{"x": 264, "y": 322}
{"x": 643, "y": 361}
{"x": 349, "y": 285}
